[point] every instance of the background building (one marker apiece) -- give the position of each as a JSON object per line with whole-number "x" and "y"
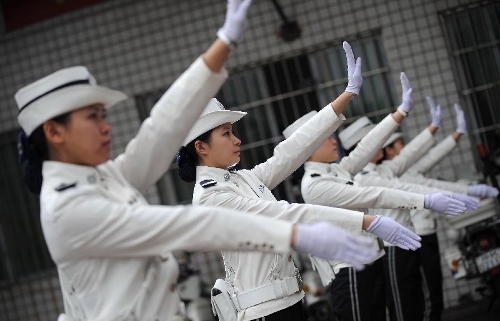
{"x": 448, "y": 48}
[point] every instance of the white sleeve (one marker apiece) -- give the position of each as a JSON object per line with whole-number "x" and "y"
{"x": 369, "y": 146}
{"x": 294, "y": 151}
{"x": 323, "y": 191}
{"x": 410, "y": 153}
{"x": 434, "y": 156}
{"x": 150, "y": 153}
{"x": 86, "y": 224}
{"x": 372, "y": 179}
{"x": 297, "y": 213}
{"x": 435, "y": 183}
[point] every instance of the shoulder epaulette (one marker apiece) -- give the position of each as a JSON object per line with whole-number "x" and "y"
{"x": 350, "y": 183}
{"x": 64, "y": 186}
{"x": 363, "y": 172}
{"x": 208, "y": 183}
{"x": 315, "y": 175}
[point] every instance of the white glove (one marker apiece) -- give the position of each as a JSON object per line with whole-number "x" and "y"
{"x": 391, "y": 231}
{"x": 482, "y": 190}
{"x": 353, "y": 71}
{"x": 461, "y": 125}
{"x": 407, "y": 102}
{"x": 235, "y": 24}
{"x": 435, "y": 112}
{"x": 441, "y": 203}
{"x": 471, "y": 203}
{"x": 330, "y": 242}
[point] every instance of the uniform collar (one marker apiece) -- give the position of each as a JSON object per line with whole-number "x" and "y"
{"x": 320, "y": 168}
{"x": 370, "y": 167}
{"x": 59, "y": 173}
{"x": 218, "y": 174}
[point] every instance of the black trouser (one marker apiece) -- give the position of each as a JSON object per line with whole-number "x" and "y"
{"x": 359, "y": 295}
{"x": 432, "y": 277}
{"x": 294, "y": 313}
{"x": 404, "y": 295}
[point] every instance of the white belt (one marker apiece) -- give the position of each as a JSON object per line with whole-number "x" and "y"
{"x": 275, "y": 290}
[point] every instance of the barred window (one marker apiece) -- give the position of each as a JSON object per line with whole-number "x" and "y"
{"x": 473, "y": 41}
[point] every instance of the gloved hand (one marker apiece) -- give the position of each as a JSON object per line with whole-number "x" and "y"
{"x": 441, "y": 203}
{"x": 482, "y": 190}
{"x": 407, "y": 102}
{"x": 469, "y": 202}
{"x": 461, "y": 125}
{"x": 353, "y": 71}
{"x": 236, "y": 20}
{"x": 435, "y": 112}
{"x": 330, "y": 242}
{"x": 391, "y": 231}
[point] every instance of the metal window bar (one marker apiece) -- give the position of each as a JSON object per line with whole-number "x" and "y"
{"x": 472, "y": 36}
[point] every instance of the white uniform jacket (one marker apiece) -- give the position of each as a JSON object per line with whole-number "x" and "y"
{"x": 371, "y": 176}
{"x": 434, "y": 156}
{"x": 333, "y": 185}
{"x": 412, "y": 152}
{"x": 111, "y": 248}
{"x": 250, "y": 190}
{"x": 424, "y": 221}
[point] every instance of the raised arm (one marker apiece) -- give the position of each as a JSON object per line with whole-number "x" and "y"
{"x": 421, "y": 144}
{"x": 294, "y": 151}
{"x": 375, "y": 139}
{"x": 150, "y": 153}
{"x": 438, "y": 152}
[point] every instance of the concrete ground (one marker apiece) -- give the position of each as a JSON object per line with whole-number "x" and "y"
{"x": 476, "y": 311}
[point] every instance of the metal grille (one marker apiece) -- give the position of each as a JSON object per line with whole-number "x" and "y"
{"x": 473, "y": 40}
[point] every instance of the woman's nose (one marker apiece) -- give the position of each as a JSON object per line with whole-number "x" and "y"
{"x": 106, "y": 128}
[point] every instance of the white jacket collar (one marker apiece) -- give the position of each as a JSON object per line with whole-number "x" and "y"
{"x": 56, "y": 173}
{"x": 320, "y": 168}
{"x": 370, "y": 167}
{"x": 218, "y": 174}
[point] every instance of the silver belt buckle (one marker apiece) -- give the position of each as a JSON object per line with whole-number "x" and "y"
{"x": 300, "y": 283}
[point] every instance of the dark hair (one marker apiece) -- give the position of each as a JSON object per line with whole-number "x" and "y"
{"x": 187, "y": 158}
{"x": 391, "y": 145}
{"x": 32, "y": 151}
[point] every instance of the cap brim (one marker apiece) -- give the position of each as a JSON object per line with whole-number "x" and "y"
{"x": 394, "y": 137}
{"x": 212, "y": 120}
{"x": 66, "y": 100}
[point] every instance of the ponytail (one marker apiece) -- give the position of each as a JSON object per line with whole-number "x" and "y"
{"x": 32, "y": 152}
{"x": 187, "y": 158}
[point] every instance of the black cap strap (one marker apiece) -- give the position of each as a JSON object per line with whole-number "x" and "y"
{"x": 69, "y": 84}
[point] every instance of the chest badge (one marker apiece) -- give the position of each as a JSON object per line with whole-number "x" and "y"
{"x": 91, "y": 178}
{"x": 261, "y": 188}
{"x": 226, "y": 177}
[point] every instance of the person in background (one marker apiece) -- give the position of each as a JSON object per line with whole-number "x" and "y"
{"x": 424, "y": 221}
{"x": 332, "y": 184}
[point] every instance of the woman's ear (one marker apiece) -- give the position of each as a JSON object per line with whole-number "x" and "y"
{"x": 200, "y": 147}
{"x": 53, "y": 132}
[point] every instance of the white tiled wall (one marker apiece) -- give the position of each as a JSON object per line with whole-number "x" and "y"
{"x": 141, "y": 46}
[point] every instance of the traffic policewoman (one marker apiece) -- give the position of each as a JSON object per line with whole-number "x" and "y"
{"x": 424, "y": 222}
{"x": 267, "y": 286}
{"x": 332, "y": 184}
{"x": 113, "y": 250}
{"x": 404, "y": 296}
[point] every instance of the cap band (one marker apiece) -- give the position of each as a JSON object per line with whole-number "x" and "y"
{"x": 73, "y": 83}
